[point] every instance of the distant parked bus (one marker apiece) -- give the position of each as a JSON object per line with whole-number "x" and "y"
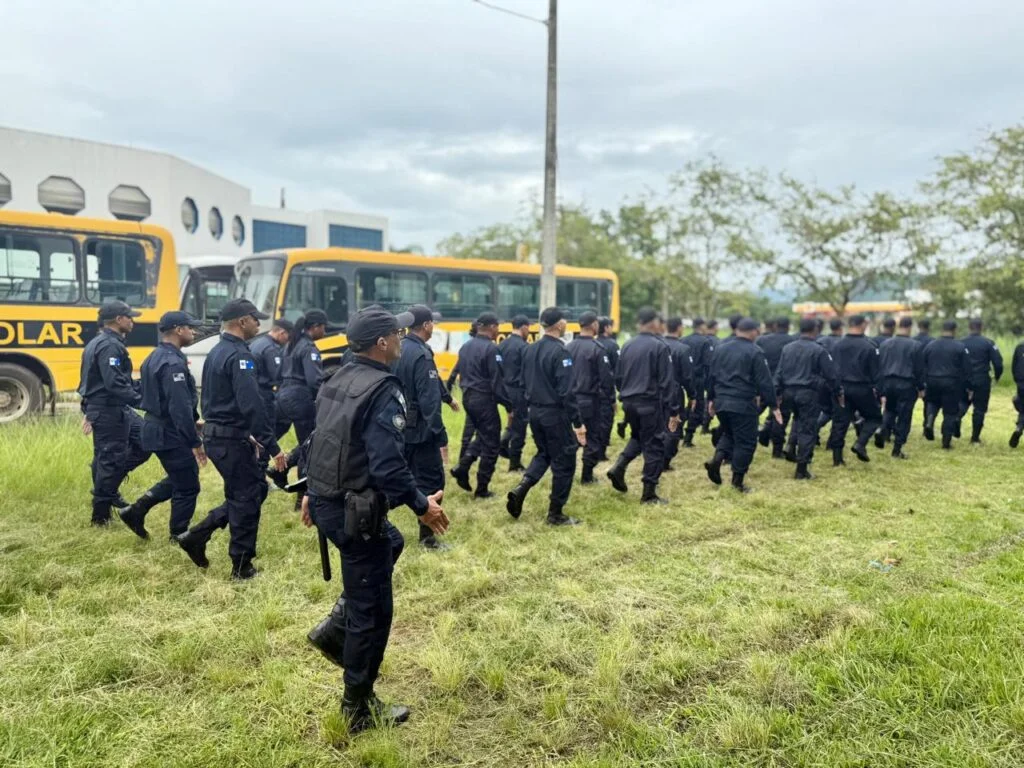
{"x": 204, "y": 287}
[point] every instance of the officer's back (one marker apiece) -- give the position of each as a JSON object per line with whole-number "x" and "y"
{"x": 267, "y": 350}
{"x": 548, "y": 374}
{"x": 106, "y": 371}
{"x": 856, "y": 358}
{"x": 512, "y": 350}
{"x": 739, "y": 375}
{"x": 804, "y": 364}
{"x": 774, "y": 343}
{"x": 901, "y": 357}
{"x": 169, "y": 395}
{"x": 983, "y": 355}
{"x": 479, "y": 361}
{"x": 645, "y": 369}
{"x": 946, "y": 358}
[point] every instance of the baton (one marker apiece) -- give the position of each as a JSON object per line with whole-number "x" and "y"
{"x": 325, "y": 556}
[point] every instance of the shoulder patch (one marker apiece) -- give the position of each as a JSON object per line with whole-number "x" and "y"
{"x": 114, "y": 361}
{"x": 432, "y": 373}
{"x": 277, "y": 359}
{"x": 246, "y": 365}
{"x": 178, "y": 377}
{"x": 399, "y": 421}
{"x": 314, "y": 356}
{"x": 499, "y": 358}
{"x": 567, "y": 362}
{"x": 605, "y": 358}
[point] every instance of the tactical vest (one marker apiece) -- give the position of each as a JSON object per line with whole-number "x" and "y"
{"x": 337, "y": 454}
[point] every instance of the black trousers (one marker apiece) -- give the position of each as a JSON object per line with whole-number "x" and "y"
{"x": 804, "y": 404}
{"x": 295, "y": 404}
{"x": 648, "y": 424}
{"x": 778, "y": 431}
{"x": 944, "y": 395}
{"x": 367, "y": 565}
{"x": 424, "y": 459}
{"x": 858, "y": 398}
{"x": 738, "y": 440}
{"x": 607, "y": 410}
{"x": 556, "y": 448}
{"x": 245, "y": 488}
{"x": 483, "y": 410}
{"x": 1018, "y": 403}
{"x": 513, "y": 439}
{"x": 982, "y": 393}
{"x": 695, "y": 416}
{"x": 590, "y": 414}
{"x": 181, "y": 486}
{"x": 900, "y": 397}
{"x": 117, "y": 450}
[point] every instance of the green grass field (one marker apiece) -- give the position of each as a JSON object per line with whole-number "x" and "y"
{"x": 723, "y": 630}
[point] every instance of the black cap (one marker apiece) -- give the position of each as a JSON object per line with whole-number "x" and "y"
{"x": 808, "y": 325}
{"x": 552, "y": 316}
{"x": 486, "y": 319}
{"x": 115, "y": 309}
{"x": 906, "y": 322}
{"x": 285, "y": 325}
{"x": 673, "y": 324}
{"x": 368, "y": 325}
{"x": 520, "y": 320}
{"x": 924, "y": 323}
{"x": 171, "y": 320}
{"x": 782, "y": 323}
{"x": 422, "y": 314}
{"x": 856, "y": 321}
{"x": 835, "y": 323}
{"x": 949, "y": 325}
{"x": 239, "y": 308}
{"x": 746, "y": 324}
{"x": 889, "y": 322}
{"x": 315, "y": 317}
{"x": 647, "y": 315}
{"x": 588, "y": 318}
{"x": 734, "y": 321}
{"x": 975, "y": 324}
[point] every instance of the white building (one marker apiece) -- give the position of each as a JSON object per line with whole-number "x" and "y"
{"x": 206, "y": 213}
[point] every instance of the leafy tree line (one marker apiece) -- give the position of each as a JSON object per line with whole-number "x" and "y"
{"x": 959, "y": 239}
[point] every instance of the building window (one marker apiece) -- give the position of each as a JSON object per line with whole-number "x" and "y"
{"x": 115, "y": 269}
{"x": 189, "y": 215}
{"x": 395, "y": 290}
{"x": 276, "y": 236}
{"x": 5, "y": 190}
{"x": 37, "y": 269}
{"x": 462, "y": 297}
{"x": 59, "y": 194}
{"x": 129, "y": 203}
{"x": 238, "y": 230}
{"x": 341, "y": 236}
{"x": 216, "y": 223}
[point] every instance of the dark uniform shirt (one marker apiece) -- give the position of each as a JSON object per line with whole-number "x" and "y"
{"x": 740, "y": 375}
{"x": 901, "y": 358}
{"x": 856, "y": 358}
{"x": 881, "y": 338}
{"x": 829, "y": 342}
{"x": 417, "y": 372}
{"x": 268, "y": 356}
{"x": 700, "y": 350}
{"x": 983, "y": 353}
{"x": 591, "y": 372}
{"x": 924, "y": 339}
{"x": 682, "y": 366}
{"x": 611, "y": 346}
{"x": 548, "y": 377}
{"x": 302, "y": 366}
{"x": 107, "y": 372}
{"x": 480, "y": 368}
{"x": 169, "y": 395}
{"x": 231, "y": 396}
{"x": 947, "y": 358}
{"x": 511, "y": 350}
{"x": 1017, "y": 364}
{"x": 645, "y": 372}
{"x": 806, "y": 364}
{"x": 773, "y": 344}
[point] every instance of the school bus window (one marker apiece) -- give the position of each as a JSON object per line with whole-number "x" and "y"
{"x": 462, "y": 297}
{"x": 215, "y": 297}
{"x": 605, "y": 290}
{"x": 258, "y": 280}
{"x": 518, "y": 295}
{"x": 317, "y": 286}
{"x": 395, "y": 290}
{"x": 115, "y": 269}
{"x": 37, "y": 269}
{"x": 576, "y": 296}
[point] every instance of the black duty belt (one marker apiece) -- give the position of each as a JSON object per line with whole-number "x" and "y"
{"x": 218, "y": 431}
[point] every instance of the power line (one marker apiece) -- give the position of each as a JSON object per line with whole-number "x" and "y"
{"x": 510, "y": 12}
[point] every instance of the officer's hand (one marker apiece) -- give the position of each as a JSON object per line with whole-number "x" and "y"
{"x": 434, "y": 518}
{"x": 306, "y": 519}
{"x": 970, "y": 394}
{"x": 581, "y": 435}
{"x": 200, "y": 454}
{"x": 199, "y": 426}
{"x": 86, "y": 427}
{"x": 673, "y": 423}
{"x": 920, "y": 394}
{"x": 444, "y": 454}
{"x": 881, "y": 401}
{"x": 256, "y": 445}
{"x": 711, "y": 408}
{"x": 454, "y": 405}
{"x": 778, "y": 415}
{"x": 281, "y": 462}
{"x": 842, "y": 401}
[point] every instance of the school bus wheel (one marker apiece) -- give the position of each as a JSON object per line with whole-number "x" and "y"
{"x": 21, "y": 392}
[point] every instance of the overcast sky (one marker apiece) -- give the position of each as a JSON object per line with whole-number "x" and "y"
{"x": 432, "y": 111}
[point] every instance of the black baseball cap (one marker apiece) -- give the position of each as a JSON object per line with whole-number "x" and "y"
{"x": 949, "y": 325}
{"x": 588, "y": 318}
{"x": 422, "y": 314}
{"x": 486, "y": 319}
{"x": 520, "y": 320}
{"x": 171, "y": 320}
{"x": 315, "y": 317}
{"x": 239, "y": 308}
{"x": 368, "y": 325}
{"x": 906, "y": 322}
{"x": 553, "y": 315}
{"x": 115, "y": 309}
{"x": 647, "y": 315}
{"x": 747, "y": 324}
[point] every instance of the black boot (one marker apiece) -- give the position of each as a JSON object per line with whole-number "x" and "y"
{"x": 483, "y": 492}
{"x": 947, "y": 442}
{"x": 242, "y": 569}
{"x": 1015, "y": 438}
{"x": 365, "y": 712}
{"x": 879, "y": 440}
{"x": 688, "y": 439}
{"x": 714, "y": 468}
{"x": 777, "y": 452}
{"x": 790, "y": 455}
{"x": 194, "y": 540}
{"x": 617, "y": 474}
{"x": 716, "y": 435}
{"x": 555, "y": 516}
{"x": 280, "y": 479}
{"x": 134, "y": 515}
{"x": 929, "y": 428}
{"x": 837, "y": 457}
{"x": 764, "y": 435}
{"x": 897, "y": 452}
{"x": 802, "y": 473}
{"x": 461, "y": 475}
{"x": 328, "y": 636}
{"x": 515, "y": 464}
{"x": 587, "y": 477}
{"x": 976, "y": 434}
{"x": 503, "y": 448}
{"x": 860, "y": 452}
{"x": 737, "y": 482}
{"x": 620, "y": 428}
{"x": 650, "y": 495}
{"x": 514, "y": 500}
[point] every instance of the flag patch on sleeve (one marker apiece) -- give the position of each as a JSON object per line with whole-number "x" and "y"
{"x": 246, "y": 365}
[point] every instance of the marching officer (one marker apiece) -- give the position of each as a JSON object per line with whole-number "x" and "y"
{"x": 650, "y": 401}
{"x": 886, "y": 333}
{"x": 512, "y": 348}
{"x": 901, "y": 372}
{"x": 983, "y": 353}
{"x": 356, "y": 472}
{"x": 592, "y": 381}
{"x": 609, "y": 403}
{"x": 555, "y": 421}
{"x": 805, "y": 371}
{"x": 773, "y": 343}
{"x": 835, "y": 327}
{"x": 425, "y": 436}
{"x": 483, "y": 389}
{"x": 1017, "y": 369}
{"x": 947, "y": 370}
{"x": 235, "y": 432}
{"x": 301, "y": 371}
{"x": 170, "y": 399}
{"x": 108, "y": 396}
{"x": 701, "y": 345}
{"x": 856, "y": 359}
{"x": 268, "y": 352}
{"x": 924, "y": 327}
{"x": 739, "y": 386}
{"x": 682, "y": 371}
{"x": 468, "y": 431}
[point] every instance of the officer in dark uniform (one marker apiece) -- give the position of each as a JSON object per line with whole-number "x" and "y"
{"x": 169, "y": 398}
{"x": 805, "y": 371}
{"x": 739, "y": 386}
{"x": 592, "y": 381}
{"x": 555, "y": 421}
{"x": 947, "y": 370}
{"x": 835, "y": 326}
{"x": 924, "y": 327}
{"x": 887, "y": 332}
{"x": 468, "y": 430}
{"x": 356, "y": 472}
{"x": 682, "y": 371}
{"x": 856, "y": 359}
{"x": 108, "y": 396}
{"x": 1017, "y": 369}
{"x": 425, "y": 436}
{"x": 609, "y": 405}
{"x": 773, "y": 343}
{"x": 512, "y": 348}
{"x": 828, "y": 402}
{"x": 711, "y": 331}
{"x": 301, "y": 371}
{"x": 901, "y": 373}
{"x": 700, "y": 345}
{"x": 983, "y": 353}
{"x": 650, "y": 400}
{"x": 268, "y": 352}
{"x": 236, "y": 433}
{"x": 483, "y": 390}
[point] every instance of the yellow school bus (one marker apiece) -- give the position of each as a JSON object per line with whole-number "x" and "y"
{"x": 341, "y": 281}
{"x": 55, "y": 272}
